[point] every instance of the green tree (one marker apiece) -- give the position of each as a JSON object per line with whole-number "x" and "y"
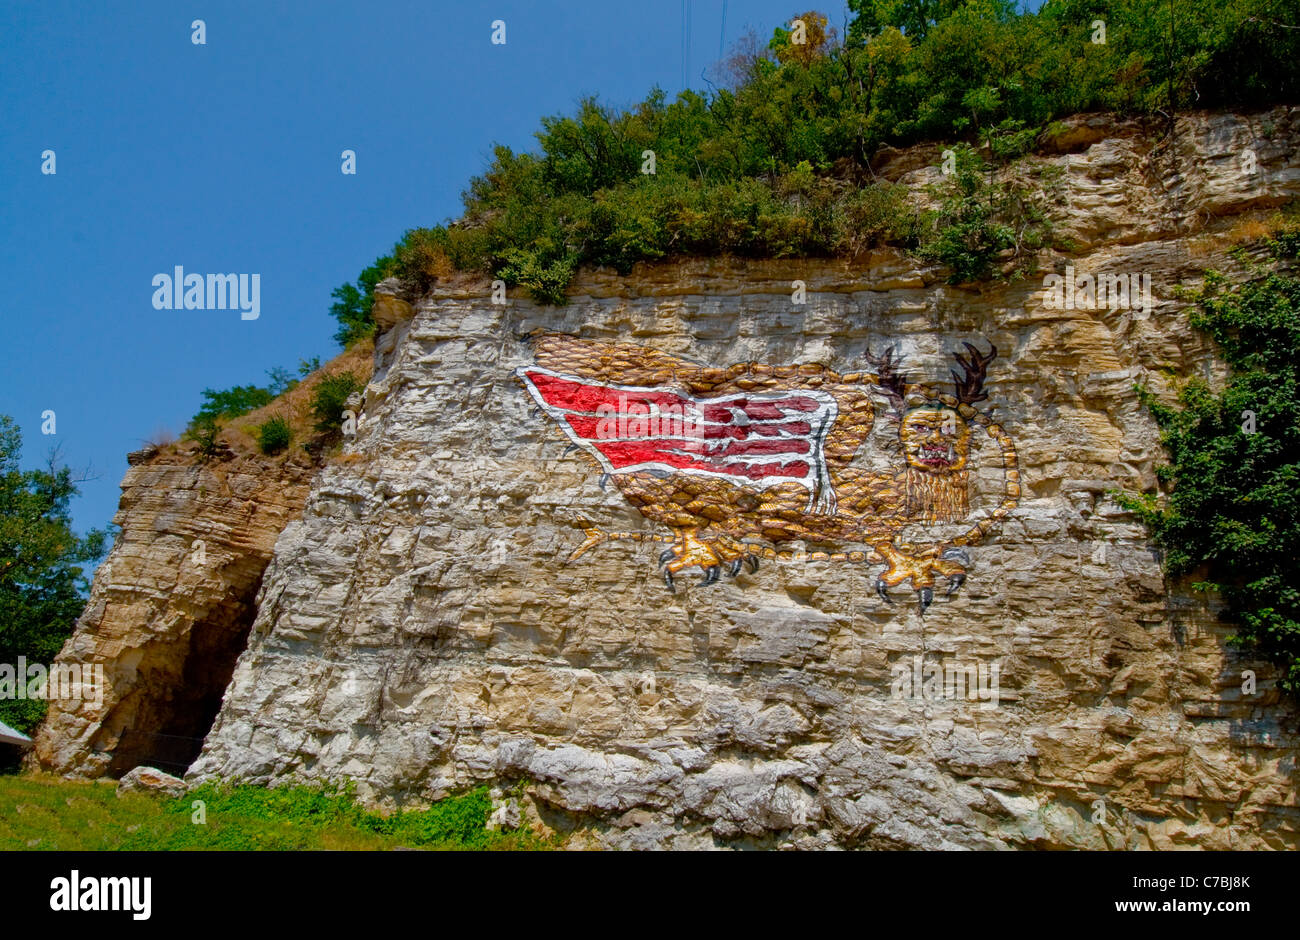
{"x": 911, "y": 17}
{"x": 1233, "y": 515}
{"x": 42, "y": 584}
{"x": 282, "y": 381}
{"x": 816, "y": 39}
{"x": 329, "y": 400}
{"x": 230, "y": 403}
{"x": 353, "y": 303}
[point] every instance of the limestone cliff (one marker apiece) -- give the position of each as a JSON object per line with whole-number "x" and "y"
{"x": 171, "y": 606}
{"x": 420, "y": 627}
{"x": 170, "y": 609}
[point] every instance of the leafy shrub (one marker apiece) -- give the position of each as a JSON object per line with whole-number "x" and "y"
{"x": 966, "y": 234}
{"x": 874, "y": 216}
{"x": 232, "y": 402}
{"x": 1234, "y": 510}
{"x": 273, "y": 435}
{"x": 422, "y": 258}
{"x": 329, "y": 400}
{"x": 1010, "y": 140}
{"x": 220, "y": 406}
{"x": 353, "y": 302}
{"x": 203, "y": 430}
{"x": 544, "y": 273}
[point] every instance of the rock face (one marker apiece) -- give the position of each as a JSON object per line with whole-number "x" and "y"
{"x": 421, "y": 629}
{"x": 150, "y": 780}
{"x": 170, "y": 610}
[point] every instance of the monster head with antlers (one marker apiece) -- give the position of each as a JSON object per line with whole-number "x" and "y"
{"x": 935, "y": 435}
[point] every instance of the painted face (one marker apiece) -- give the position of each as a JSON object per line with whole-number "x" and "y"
{"x": 935, "y": 439}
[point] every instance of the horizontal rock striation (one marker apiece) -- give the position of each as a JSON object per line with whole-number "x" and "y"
{"x": 170, "y": 609}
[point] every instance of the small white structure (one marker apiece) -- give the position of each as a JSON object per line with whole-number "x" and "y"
{"x": 10, "y": 736}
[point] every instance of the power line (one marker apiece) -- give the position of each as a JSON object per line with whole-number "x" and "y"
{"x": 683, "y": 43}
{"x": 686, "y": 66}
{"x": 723, "y": 31}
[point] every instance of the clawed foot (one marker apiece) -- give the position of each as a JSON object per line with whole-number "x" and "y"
{"x": 710, "y": 555}
{"x": 921, "y": 569}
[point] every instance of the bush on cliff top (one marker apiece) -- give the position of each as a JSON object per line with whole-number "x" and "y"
{"x": 274, "y": 435}
{"x": 329, "y": 400}
{"x": 769, "y": 164}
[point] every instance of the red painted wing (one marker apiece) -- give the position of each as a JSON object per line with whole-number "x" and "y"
{"x": 755, "y": 439}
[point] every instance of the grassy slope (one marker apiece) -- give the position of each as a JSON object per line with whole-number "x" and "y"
{"x": 294, "y": 405}
{"x": 41, "y": 812}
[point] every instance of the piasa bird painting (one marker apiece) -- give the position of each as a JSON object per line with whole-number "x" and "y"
{"x": 735, "y": 462}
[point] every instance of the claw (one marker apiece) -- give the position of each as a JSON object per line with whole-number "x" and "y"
{"x": 882, "y": 590}
{"x": 711, "y": 574}
{"x": 665, "y": 556}
{"x": 570, "y": 449}
{"x": 735, "y": 567}
{"x": 926, "y": 597}
{"x": 956, "y": 554}
{"x": 604, "y": 480}
{"x": 752, "y": 561}
{"x": 668, "y": 580}
{"x": 956, "y": 578}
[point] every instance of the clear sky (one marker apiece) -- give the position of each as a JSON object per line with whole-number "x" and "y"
{"x": 225, "y": 158}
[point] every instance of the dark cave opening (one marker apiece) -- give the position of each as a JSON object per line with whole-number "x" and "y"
{"x": 179, "y": 692}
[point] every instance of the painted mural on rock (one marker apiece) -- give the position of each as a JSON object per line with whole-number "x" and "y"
{"x": 736, "y": 461}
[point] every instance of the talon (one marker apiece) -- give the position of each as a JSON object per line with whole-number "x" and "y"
{"x": 665, "y": 556}
{"x": 735, "y": 567}
{"x": 668, "y": 580}
{"x": 882, "y": 590}
{"x": 570, "y": 449}
{"x": 926, "y": 596}
{"x": 711, "y": 574}
{"x": 604, "y": 480}
{"x": 958, "y": 560}
{"x": 956, "y": 554}
{"x": 752, "y": 561}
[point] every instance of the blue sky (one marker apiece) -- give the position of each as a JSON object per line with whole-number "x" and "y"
{"x": 225, "y": 157}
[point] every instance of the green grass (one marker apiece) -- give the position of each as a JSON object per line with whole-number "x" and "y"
{"x": 40, "y": 812}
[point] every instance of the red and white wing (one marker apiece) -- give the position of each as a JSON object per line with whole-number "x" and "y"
{"x": 754, "y": 439}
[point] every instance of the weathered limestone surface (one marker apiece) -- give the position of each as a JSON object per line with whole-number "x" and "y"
{"x": 167, "y": 616}
{"x": 419, "y": 630}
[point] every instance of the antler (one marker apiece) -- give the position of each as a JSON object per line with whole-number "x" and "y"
{"x": 970, "y": 387}
{"x": 892, "y": 382}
